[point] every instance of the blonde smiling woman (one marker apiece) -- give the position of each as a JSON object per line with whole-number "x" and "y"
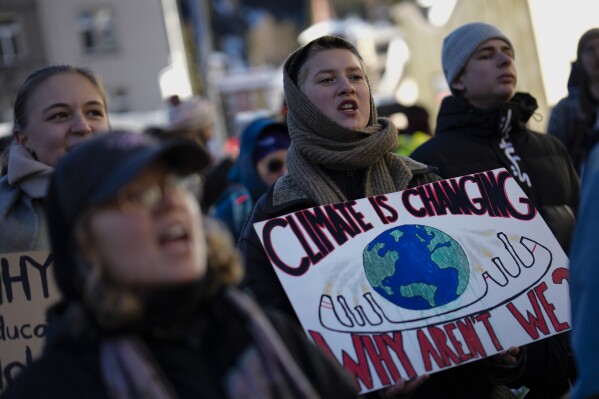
{"x": 56, "y": 108}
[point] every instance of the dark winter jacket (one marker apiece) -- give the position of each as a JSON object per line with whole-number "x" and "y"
{"x": 245, "y": 185}
{"x": 470, "y": 140}
{"x": 282, "y": 198}
{"x": 196, "y": 358}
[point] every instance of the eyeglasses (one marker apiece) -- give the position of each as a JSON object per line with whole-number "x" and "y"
{"x": 149, "y": 197}
{"x": 275, "y": 165}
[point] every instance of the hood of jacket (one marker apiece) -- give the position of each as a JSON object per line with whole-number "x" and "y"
{"x": 244, "y": 170}
{"x": 456, "y": 114}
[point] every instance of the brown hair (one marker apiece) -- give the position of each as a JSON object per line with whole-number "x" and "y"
{"x": 297, "y": 70}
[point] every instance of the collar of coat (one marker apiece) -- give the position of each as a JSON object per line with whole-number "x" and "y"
{"x": 456, "y": 114}
{"x": 285, "y": 191}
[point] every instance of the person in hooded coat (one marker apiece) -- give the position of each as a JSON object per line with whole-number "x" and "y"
{"x": 261, "y": 161}
{"x": 575, "y": 119}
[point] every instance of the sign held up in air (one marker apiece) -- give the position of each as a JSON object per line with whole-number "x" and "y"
{"x": 422, "y": 280}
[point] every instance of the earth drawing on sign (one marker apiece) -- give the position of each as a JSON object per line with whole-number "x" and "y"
{"x": 416, "y": 267}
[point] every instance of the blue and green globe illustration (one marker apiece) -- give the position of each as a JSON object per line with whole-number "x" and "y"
{"x": 416, "y": 267}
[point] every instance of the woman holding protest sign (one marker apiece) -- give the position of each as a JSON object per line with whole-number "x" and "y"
{"x": 56, "y": 107}
{"x": 341, "y": 151}
{"x": 149, "y": 306}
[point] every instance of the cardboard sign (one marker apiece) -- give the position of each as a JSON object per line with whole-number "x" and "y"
{"x": 422, "y": 280}
{"x": 27, "y": 289}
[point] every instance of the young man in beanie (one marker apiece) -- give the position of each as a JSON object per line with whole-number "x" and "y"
{"x": 482, "y": 126}
{"x": 575, "y": 118}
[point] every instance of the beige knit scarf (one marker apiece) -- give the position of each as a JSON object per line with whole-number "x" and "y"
{"x": 318, "y": 143}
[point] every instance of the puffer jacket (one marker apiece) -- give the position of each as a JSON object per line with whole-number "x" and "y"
{"x": 470, "y": 140}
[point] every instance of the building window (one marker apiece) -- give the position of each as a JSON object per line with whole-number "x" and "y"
{"x": 10, "y": 48}
{"x": 118, "y": 100}
{"x": 98, "y": 31}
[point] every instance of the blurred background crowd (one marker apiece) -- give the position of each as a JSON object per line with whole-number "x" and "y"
{"x": 230, "y": 51}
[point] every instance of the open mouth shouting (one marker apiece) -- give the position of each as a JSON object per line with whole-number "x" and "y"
{"x": 348, "y": 107}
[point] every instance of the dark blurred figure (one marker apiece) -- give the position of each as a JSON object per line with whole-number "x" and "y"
{"x": 575, "y": 118}
{"x": 584, "y": 280}
{"x": 193, "y": 119}
{"x": 4, "y": 144}
{"x": 412, "y": 132}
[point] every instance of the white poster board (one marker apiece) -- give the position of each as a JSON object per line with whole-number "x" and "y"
{"x": 422, "y": 280}
{"x": 27, "y": 289}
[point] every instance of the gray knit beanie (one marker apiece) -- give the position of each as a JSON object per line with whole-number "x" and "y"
{"x": 461, "y": 43}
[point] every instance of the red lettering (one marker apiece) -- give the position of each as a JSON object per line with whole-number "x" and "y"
{"x": 441, "y": 342}
{"x": 380, "y": 359}
{"x": 533, "y": 323}
{"x": 455, "y": 342}
{"x": 549, "y": 308}
{"x": 427, "y": 349}
{"x": 475, "y": 346}
{"x": 321, "y": 343}
{"x": 560, "y": 274}
{"x": 395, "y": 342}
{"x": 484, "y": 318}
{"x": 359, "y": 369}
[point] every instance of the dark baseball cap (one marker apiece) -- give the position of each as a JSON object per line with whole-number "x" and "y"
{"x": 94, "y": 172}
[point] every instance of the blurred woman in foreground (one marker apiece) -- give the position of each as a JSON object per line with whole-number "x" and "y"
{"x": 149, "y": 306}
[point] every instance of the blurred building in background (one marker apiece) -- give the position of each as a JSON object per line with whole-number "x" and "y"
{"x": 231, "y": 51}
{"x": 123, "y": 41}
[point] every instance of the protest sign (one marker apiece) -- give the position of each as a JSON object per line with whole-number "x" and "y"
{"x": 27, "y": 289}
{"x": 422, "y": 280}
